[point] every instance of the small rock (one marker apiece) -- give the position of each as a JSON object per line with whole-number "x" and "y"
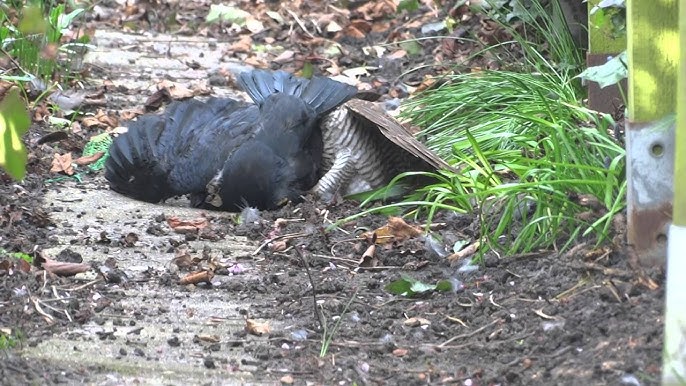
{"x": 209, "y": 363}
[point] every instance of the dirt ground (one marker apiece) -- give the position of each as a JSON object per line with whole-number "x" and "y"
{"x": 538, "y": 319}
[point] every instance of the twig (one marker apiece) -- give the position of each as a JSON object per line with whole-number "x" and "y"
{"x": 300, "y": 23}
{"x": 317, "y": 315}
{"x": 90, "y": 283}
{"x": 281, "y": 237}
{"x": 326, "y": 257}
{"x": 48, "y": 318}
{"x": 470, "y": 334}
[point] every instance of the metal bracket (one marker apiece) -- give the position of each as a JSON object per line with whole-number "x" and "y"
{"x": 650, "y": 171}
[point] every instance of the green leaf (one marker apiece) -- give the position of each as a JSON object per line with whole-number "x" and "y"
{"x": 412, "y": 47}
{"x": 226, "y": 13}
{"x": 420, "y": 287}
{"x": 410, "y": 287}
{"x": 14, "y": 121}
{"x": 609, "y": 73}
{"x": 32, "y": 21}
{"x": 399, "y": 287}
{"x": 307, "y": 71}
{"x": 408, "y": 5}
{"x": 64, "y": 21}
{"x": 444, "y": 286}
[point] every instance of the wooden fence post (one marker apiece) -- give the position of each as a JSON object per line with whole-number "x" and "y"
{"x": 653, "y": 53}
{"x": 674, "y": 360}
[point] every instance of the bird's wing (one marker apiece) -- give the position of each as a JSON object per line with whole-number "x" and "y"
{"x": 320, "y": 93}
{"x": 395, "y": 132}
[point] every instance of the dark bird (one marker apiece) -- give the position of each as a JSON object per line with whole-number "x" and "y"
{"x": 228, "y": 154}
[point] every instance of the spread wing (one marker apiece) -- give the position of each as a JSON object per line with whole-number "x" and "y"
{"x": 395, "y": 132}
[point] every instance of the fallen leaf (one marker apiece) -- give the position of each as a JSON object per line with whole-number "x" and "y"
{"x": 175, "y": 90}
{"x": 87, "y": 160}
{"x": 186, "y": 226}
{"x": 284, "y": 57}
{"x": 416, "y": 322}
{"x": 333, "y": 27}
{"x": 244, "y": 45}
{"x": 63, "y": 268}
{"x": 278, "y": 246}
{"x": 62, "y": 164}
{"x": 208, "y": 338}
{"x": 100, "y": 119}
{"x": 197, "y": 277}
{"x": 466, "y": 252}
{"x": 254, "y": 26}
{"x": 400, "y": 352}
{"x": 395, "y": 230}
{"x": 368, "y": 257}
{"x": 256, "y": 328}
{"x": 354, "y": 32}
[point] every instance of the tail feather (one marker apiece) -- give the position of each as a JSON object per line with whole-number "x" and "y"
{"x": 322, "y": 94}
{"x": 133, "y": 168}
{"x": 142, "y": 160}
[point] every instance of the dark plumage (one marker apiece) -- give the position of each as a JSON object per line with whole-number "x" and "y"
{"x": 228, "y": 154}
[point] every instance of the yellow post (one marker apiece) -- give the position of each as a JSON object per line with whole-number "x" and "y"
{"x": 653, "y": 52}
{"x": 674, "y": 360}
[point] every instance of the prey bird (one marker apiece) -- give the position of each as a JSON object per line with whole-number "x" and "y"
{"x": 228, "y": 154}
{"x": 365, "y": 148}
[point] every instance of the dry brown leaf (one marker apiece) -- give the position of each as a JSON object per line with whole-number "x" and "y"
{"x": 186, "y": 226}
{"x": 197, "y": 277}
{"x": 395, "y": 230}
{"x": 416, "y": 322}
{"x": 256, "y": 62}
{"x": 129, "y": 114}
{"x": 353, "y": 32}
{"x": 243, "y": 45}
{"x": 208, "y": 338}
{"x": 284, "y": 57}
{"x": 378, "y": 9}
{"x": 278, "y": 246}
{"x": 176, "y": 90}
{"x": 87, "y": 160}
{"x": 400, "y": 352}
{"x": 399, "y": 54}
{"x": 466, "y": 252}
{"x": 362, "y": 25}
{"x": 368, "y": 257}
{"x": 256, "y": 328}
{"x": 100, "y": 119}
{"x": 60, "y": 268}
{"x": 62, "y": 164}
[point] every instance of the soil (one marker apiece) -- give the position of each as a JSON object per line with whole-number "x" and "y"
{"x": 577, "y": 318}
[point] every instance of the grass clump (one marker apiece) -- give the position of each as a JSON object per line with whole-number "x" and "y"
{"x": 32, "y": 36}
{"x": 537, "y": 166}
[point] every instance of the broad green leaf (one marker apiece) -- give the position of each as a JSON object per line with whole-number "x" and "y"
{"x": 408, "y": 5}
{"x": 420, "y": 287}
{"x": 412, "y": 47}
{"x": 399, "y": 287}
{"x": 14, "y": 121}
{"x": 609, "y": 73}
{"x": 444, "y": 286}
{"x": 410, "y": 287}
